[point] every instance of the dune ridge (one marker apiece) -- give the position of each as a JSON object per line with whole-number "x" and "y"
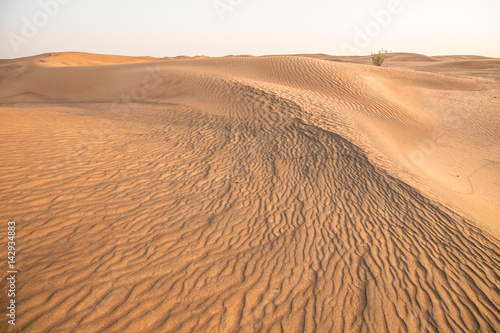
{"x": 245, "y": 194}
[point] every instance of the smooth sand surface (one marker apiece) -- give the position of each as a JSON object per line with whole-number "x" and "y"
{"x": 306, "y": 193}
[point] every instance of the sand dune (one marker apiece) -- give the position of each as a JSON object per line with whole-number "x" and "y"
{"x": 242, "y": 194}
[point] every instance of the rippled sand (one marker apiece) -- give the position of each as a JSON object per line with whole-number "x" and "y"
{"x": 252, "y": 194}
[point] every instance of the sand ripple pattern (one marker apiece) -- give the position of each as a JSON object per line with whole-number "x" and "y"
{"x": 228, "y": 214}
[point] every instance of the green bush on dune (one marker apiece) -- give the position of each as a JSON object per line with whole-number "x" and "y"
{"x": 379, "y": 57}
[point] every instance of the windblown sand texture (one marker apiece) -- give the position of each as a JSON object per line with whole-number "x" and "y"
{"x": 252, "y": 194}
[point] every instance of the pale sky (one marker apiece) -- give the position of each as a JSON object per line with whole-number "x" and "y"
{"x": 221, "y": 27}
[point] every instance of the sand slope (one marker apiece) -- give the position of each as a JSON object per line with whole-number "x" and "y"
{"x": 246, "y": 194}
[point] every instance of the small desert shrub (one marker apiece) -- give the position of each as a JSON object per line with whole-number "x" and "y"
{"x": 379, "y": 57}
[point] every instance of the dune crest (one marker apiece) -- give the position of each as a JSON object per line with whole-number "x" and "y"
{"x": 242, "y": 194}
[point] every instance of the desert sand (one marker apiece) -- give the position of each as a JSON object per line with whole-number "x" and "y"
{"x": 305, "y": 193}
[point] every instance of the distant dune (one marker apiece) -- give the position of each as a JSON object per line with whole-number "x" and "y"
{"x": 306, "y": 193}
